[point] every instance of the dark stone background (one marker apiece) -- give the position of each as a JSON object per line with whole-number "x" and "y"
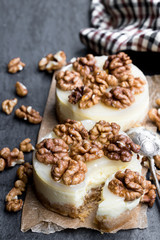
{"x": 30, "y": 30}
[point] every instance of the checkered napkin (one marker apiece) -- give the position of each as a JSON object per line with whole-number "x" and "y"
{"x": 123, "y": 25}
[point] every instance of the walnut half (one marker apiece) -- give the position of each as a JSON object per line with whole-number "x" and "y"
{"x": 28, "y": 113}
{"x": 118, "y": 97}
{"x": 120, "y": 147}
{"x": 15, "y": 65}
{"x": 8, "y": 105}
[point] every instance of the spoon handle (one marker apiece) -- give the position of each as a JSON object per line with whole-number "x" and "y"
{"x": 153, "y": 172}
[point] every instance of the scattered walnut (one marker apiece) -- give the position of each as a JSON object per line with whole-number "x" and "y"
{"x": 53, "y": 62}
{"x": 131, "y": 185}
{"x": 118, "y": 97}
{"x": 20, "y": 185}
{"x": 155, "y": 117}
{"x": 118, "y": 65}
{"x": 71, "y": 172}
{"x": 12, "y": 157}
{"x": 50, "y": 150}
{"x": 28, "y": 113}
{"x": 86, "y": 150}
{"x": 104, "y": 131}
{"x": 120, "y": 148}
{"x": 76, "y": 95}
{"x": 15, "y": 65}
{"x": 26, "y": 146}
{"x": 158, "y": 101}
{"x": 157, "y": 161}
{"x": 90, "y": 97}
{"x": 8, "y": 105}
{"x": 71, "y": 131}
{"x": 14, "y": 205}
{"x": 136, "y": 85}
{"x": 85, "y": 65}
{"x": 2, "y": 164}
{"x": 68, "y": 80}
{"x": 21, "y": 90}
{"x": 24, "y": 172}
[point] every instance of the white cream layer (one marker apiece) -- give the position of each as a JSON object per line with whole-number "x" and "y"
{"x": 112, "y": 205}
{"x": 126, "y": 118}
{"x": 98, "y": 171}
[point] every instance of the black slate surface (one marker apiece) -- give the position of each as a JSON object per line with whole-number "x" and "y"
{"x": 30, "y": 30}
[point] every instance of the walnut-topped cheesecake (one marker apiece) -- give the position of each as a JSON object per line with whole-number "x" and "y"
{"x": 72, "y": 163}
{"x": 109, "y": 88}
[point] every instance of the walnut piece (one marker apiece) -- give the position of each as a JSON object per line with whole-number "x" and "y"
{"x": 68, "y": 80}
{"x": 71, "y": 131}
{"x": 118, "y": 97}
{"x": 24, "y": 172}
{"x": 103, "y": 131}
{"x": 76, "y": 95}
{"x": 90, "y": 97}
{"x": 131, "y": 185}
{"x": 86, "y": 150}
{"x": 28, "y": 113}
{"x": 21, "y": 90}
{"x": 157, "y": 161}
{"x": 136, "y": 85}
{"x": 15, "y": 65}
{"x": 8, "y": 105}
{"x": 2, "y": 164}
{"x": 120, "y": 147}
{"x": 85, "y": 65}
{"x": 52, "y": 62}
{"x": 13, "y": 157}
{"x": 70, "y": 171}
{"x": 158, "y": 101}
{"x": 26, "y": 146}
{"x": 155, "y": 117}
{"x": 50, "y": 150}
{"x": 118, "y": 65}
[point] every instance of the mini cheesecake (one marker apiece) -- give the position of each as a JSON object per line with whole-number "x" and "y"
{"x": 71, "y": 200}
{"x": 126, "y": 118}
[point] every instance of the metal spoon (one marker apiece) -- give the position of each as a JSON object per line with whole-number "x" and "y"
{"x": 150, "y": 146}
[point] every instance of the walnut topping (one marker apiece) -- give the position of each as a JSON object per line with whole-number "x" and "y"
{"x": 130, "y": 185}
{"x": 89, "y": 98}
{"x": 85, "y": 65}
{"x": 136, "y": 85}
{"x": 28, "y": 113}
{"x": 76, "y": 95}
{"x": 71, "y": 131}
{"x": 118, "y": 97}
{"x": 24, "y": 173}
{"x": 13, "y": 157}
{"x": 98, "y": 77}
{"x": 103, "y": 131}
{"x": 21, "y": 90}
{"x": 50, "y": 150}
{"x": 86, "y": 150}
{"x": 71, "y": 172}
{"x": 26, "y": 146}
{"x": 155, "y": 117}
{"x": 120, "y": 148}
{"x": 15, "y": 65}
{"x": 118, "y": 66}
{"x": 53, "y": 62}
{"x": 68, "y": 80}
{"x": 8, "y": 105}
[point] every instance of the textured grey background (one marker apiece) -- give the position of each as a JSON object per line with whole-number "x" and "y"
{"x": 31, "y": 29}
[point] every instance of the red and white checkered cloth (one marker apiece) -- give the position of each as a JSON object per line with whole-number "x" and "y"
{"x": 123, "y": 25}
